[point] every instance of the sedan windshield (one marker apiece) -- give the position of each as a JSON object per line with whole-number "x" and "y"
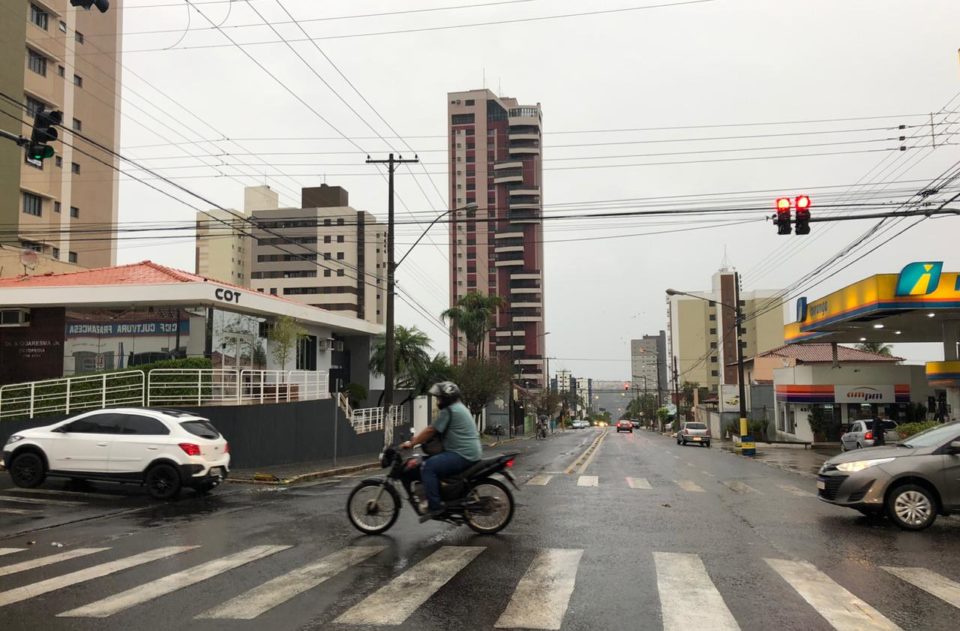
{"x": 695, "y": 426}
{"x": 934, "y": 436}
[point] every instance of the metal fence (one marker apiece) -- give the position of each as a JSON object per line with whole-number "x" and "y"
{"x": 366, "y": 420}
{"x": 71, "y": 394}
{"x": 162, "y": 387}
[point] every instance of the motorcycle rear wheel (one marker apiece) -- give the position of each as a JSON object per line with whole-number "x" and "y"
{"x": 369, "y": 515}
{"x": 497, "y": 507}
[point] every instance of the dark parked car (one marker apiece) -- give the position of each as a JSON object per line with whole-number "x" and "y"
{"x": 912, "y": 482}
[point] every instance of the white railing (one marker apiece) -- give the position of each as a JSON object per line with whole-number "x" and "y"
{"x": 229, "y": 386}
{"x": 71, "y": 394}
{"x": 371, "y": 419}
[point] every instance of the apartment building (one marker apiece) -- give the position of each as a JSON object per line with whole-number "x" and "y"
{"x": 702, "y": 333}
{"x": 324, "y": 254}
{"x": 497, "y": 249}
{"x": 69, "y": 60}
{"x": 648, "y": 362}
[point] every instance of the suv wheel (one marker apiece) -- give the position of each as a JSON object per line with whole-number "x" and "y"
{"x": 163, "y": 481}
{"x": 26, "y": 470}
{"x": 912, "y": 507}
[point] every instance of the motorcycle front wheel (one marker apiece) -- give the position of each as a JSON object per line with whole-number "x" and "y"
{"x": 488, "y": 507}
{"x": 373, "y": 506}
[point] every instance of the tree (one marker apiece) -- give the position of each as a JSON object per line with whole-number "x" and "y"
{"x": 283, "y": 336}
{"x": 876, "y": 347}
{"x": 434, "y": 370}
{"x": 480, "y": 381}
{"x": 545, "y": 403}
{"x": 473, "y": 316}
{"x": 409, "y": 356}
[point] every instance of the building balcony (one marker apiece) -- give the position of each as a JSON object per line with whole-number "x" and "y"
{"x": 509, "y": 263}
{"x": 523, "y": 136}
{"x": 508, "y": 178}
{"x": 530, "y": 191}
{"x": 535, "y": 291}
{"x": 508, "y": 348}
{"x": 524, "y": 150}
{"x": 526, "y": 305}
{"x": 508, "y": 164}
{"x": 525, "y": 203}
{"x": 532, "y": 274}
{"x": 528, "y": 317}
{"x": 524, "y": 216}
{"x": 509, "y": 333}
{"x": 508, "y": 248}
{"x": 508, "y": 235}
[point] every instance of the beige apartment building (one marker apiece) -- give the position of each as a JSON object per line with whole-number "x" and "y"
{"x": 69, "y": 61}
{"x": 702, "y": 333}
{"x": 325, "y": 254}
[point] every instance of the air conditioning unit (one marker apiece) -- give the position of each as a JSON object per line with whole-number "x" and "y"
{"x": 337, "y": 345}
{"x": 14, "y": 317}
{"x": 323, "y": 345}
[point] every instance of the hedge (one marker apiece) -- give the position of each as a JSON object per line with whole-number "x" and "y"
{"x": 909, "y": 429}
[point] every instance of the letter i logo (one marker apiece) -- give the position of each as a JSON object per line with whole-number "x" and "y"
{"x": 919, "y": 279}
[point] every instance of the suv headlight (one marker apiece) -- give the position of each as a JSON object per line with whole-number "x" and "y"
{"x": 14, "y": 439}
{"x": 860, "y": 465}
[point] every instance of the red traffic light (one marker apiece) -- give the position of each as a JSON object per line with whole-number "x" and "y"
{"x": 802, "y": 202}
{"x": 783, "y": 204}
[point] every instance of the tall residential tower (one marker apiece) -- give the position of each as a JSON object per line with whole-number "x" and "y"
{"x": 496, "y": 164}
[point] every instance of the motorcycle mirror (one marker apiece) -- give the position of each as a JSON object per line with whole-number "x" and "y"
{"x": 413, "y": 432}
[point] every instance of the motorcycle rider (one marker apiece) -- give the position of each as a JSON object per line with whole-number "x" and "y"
{"x": 461, "y": 445}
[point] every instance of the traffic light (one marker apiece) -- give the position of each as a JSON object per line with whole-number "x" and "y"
{"x": 103, "y": 5}
{"x": 44, "y": 132}
{"x": 802, "y": 204}
{"x": 783, "y": 215}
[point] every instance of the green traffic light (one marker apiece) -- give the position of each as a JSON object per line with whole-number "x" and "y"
{"x": 41, "y": 152}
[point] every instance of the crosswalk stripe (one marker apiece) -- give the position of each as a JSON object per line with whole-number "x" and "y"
{"x": 690, "y": 485}
{"x": 170, "y": 583}
{"x": 540, "y": 480}
{"x": 795, "y": 491}
{"x": 639, "y": 483}
{"x": 739, "y": 487}
{"x": 18, "y": 511}
{"x": 48, "y": 560}
{"x": 4, "y": 551}
{"x": 36, "y": 500}
{"x": 588, "y": 480}
{"x": 930, "y": 582}
{"x": 542, "y": 595}
{"x": 688, "y": 598}
{"x": 256, "y": 601}
{"x": 51, "y": 584}
{"x": 393, "y": 603}
{"x": 839, "y": 607}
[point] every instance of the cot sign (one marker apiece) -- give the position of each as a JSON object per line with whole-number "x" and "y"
{"x": 227, "y": 295}
{"x": 919, "y": 279}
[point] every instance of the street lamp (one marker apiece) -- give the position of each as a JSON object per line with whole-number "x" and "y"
{"x": 470, "y": 209}
{"x": 738, "y": 320}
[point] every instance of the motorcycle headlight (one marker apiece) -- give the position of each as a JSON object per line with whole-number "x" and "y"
{"x": 14, "y": 439}
{"x": 860, "y": 465}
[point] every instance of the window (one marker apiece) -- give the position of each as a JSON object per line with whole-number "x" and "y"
{"x": 273, "y": 291}
{"x": 340, "y": 221}
{"x": 78, "y": 81}
{"x": 339, "y": 272}
{"x": 713, "y": 344}
{"x": 462, "y": 119}
{"x": 95, "y": 424}
{"x": 75, "y": 168}
{"x": 339, "y": 256}
{"x": 72, "y": 257}
{"x": 713, "y": 331}
{"x": 326, "y": 273}
{"x": 56, "y": 207}
{"x": 326, "y": 222}
{"x": 38, "y": 16}
{"x": 74, "y": 212}
{"x": 326, "y": 239}
{"x": 202, "y": 428}
{"x": 32, "y": 204}
{"x": 714, "y": 373}
{"x": 713, "y": 317}
{"x": 78, "y": 37}
{"x": 63, "y": 26}
{"x": 36, "y": 62}
{"x": 469, "y": 102}
{"x": 34, "y": 106}
{"x": 61, "y": 71}
{"x": 56, "y": 253}
{"x": 77, "y": 125}
{"x": 339, "y": 238}
{"x": 58, "y": 160}
{"x": 327, "y": 256}
{"x": 713, "y": 359}
{"x": 141, "y": 425}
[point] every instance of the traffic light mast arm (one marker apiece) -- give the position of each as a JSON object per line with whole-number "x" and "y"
{"x": 20, "y": 140}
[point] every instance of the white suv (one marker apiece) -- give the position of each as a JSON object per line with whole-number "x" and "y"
{"x": 164, "y": 450}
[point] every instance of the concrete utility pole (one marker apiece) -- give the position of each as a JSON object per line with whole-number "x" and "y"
{"x": 676, "y": 390}
{"x": 388, "y": 371}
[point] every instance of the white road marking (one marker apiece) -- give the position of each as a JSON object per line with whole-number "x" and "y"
{"x": 394, "y": 602}
{"x": 690, "y": 464}
{"x": 542, "y": 595}
{"x": 4, "y": 551}
{"x": 839, "y": 607}
{"x": 170, "y": 583}
{"x": 795, "y": 491}
{"x": 708, "y": 473}
{"x": 639, "y": 483}
{"x": 930, "y": 582}
{"x": 738, "y": 487}
{"x": 36, "y": 500}
{"x": 588, "y": 480}
{"x": 690, "y": 485}
{"x": 540, "y": 480}
{"x": 256, "y": 601}
{"x": 48, "y": 560}
{"x": 675, "y": 456}
{"x": 688, "y": 598}
{"x": 51, "y": 584}
{"x": 17, "y": 511}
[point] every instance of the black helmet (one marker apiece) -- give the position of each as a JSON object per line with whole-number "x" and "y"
{"x": 447, "y": 393}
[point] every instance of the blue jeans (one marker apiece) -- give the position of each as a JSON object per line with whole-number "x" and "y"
{"x": 443, "y": 465}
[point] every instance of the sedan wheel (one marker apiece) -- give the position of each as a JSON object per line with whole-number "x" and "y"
{"x": 163, "y": 482}
{"x": 912, "y": 507}
{"x": 26, "y": 470}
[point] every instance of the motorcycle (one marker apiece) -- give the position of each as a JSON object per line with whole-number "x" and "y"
{"x": 472, "y": 497}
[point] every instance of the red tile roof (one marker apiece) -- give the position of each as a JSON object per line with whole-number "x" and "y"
{"x": 143, "y": 273}
{"x": 822, "y": 353}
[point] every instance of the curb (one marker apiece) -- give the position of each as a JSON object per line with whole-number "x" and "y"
{"x": 304, "y": 477}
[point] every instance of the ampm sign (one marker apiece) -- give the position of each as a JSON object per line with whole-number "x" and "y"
{"x": 919, "y": 279}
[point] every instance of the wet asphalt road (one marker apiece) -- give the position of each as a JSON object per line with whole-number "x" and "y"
{"x": 648, "y": 535}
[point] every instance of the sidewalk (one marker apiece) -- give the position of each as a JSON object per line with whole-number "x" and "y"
{"x": 806, "y": 462}
{"x": 302, "y": 471}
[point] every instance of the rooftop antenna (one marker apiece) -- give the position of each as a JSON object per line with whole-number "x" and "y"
{"x": 725, "y": 263}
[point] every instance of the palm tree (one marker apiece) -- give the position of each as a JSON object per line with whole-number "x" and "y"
{"x": 409, "y": 356}
{"x": 473, "y": 316}
{"x": 876, "y": 347}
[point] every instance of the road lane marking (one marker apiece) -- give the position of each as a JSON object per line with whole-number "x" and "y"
{"x": 588, "y": 480}
{"x": 930, "y": 582}
{"x": 688, "y": 598}
{"x": 540, "y": 480}
{"x": 690, "y": 485}
{"x": 738, "y": 487}
{"x": 839, "y": 607}
{"x": 51, "y": 584}
{"x": 690, "y": 464}
{"x": 639, "y": 483}
{"x": 170, "y": 583}
{"x": 17, "y": 511}
{"x": 36, "y": 500}
{"x": 4, "y": 551}
{"x": 393, "y": 603}
{"x": 542, "y": 595}
{"x": 708, "y": 473}
{"x": 48, "y": 560}
{"x": 256, "y": 601}
{"x": 586, "y": 457}
{"x": 795, "y": 491}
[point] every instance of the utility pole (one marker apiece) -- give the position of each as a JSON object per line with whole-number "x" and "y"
{"x": 676, "y": 389}
{"x": 738, "y": 320}
{"x": 392, "y": 163}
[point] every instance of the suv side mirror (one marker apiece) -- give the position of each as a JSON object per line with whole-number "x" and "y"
{"x": 954, "y": 446}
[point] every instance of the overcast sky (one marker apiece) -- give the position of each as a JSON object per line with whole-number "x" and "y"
{"x": 710, "y": 70}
